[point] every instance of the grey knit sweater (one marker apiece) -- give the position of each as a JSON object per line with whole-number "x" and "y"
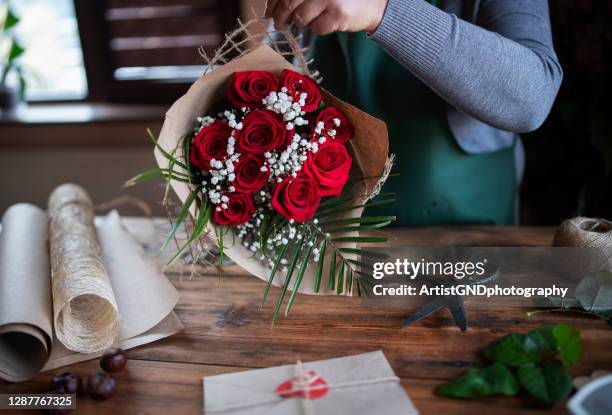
{"x": 492, "y": 60}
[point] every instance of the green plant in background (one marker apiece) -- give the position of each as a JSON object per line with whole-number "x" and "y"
{"x": 11, "y": 49}
{"x": 534, "y": 362}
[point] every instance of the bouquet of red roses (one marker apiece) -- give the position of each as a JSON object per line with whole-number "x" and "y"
{"x": 261, "y": 159}
{"x": 275, "y": 148}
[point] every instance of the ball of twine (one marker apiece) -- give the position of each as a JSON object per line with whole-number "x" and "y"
{"x": 85, "y": 312}
{"x": 584, "y": 232}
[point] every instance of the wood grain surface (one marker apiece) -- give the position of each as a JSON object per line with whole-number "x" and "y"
{"x": 227, "y": 331}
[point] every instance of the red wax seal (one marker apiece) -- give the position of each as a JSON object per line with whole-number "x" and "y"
{"x": 308, "y": 385}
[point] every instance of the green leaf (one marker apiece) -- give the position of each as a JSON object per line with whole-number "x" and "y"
{"x": 548, "y": 382}
{"x": 360, "y": 239}
{"x": 340, "y": 284}
{"x": 183, "y": 212}
{"x": 545, "y": 342}
{"x": 300, "y": 275}
{"x": 362, "y": 219}
{"x": 364, "y": 253}
{"x": 200, "y": 226}
{"x": 496, "y": 379}
{"x": 595, "y": 291}
{"x": 15, "y": 51}
{"x": 513, "y": 350}
{"x": 154, "y": 174}
{"x": 277, "y": 262}
{"x": 335, "y": 211}
{"x": 221, "y": 247}
{"x": 359, "y": 228}
{"x": 186, "y": 141}
{"x": 294, "y": 260}
{"x": 349, "y": 280}
{"x": 570, "y": 344}
{"x": 319, "y": 272}
{"x": 164, "y": 153}
{"x": 11, "y": 20}
{"x": 331, "y": 283}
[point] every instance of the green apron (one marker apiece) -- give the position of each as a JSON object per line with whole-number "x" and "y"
{"x": 438, "y": 183}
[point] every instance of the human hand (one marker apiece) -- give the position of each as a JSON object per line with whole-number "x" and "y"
{"x": 327, "y": 16}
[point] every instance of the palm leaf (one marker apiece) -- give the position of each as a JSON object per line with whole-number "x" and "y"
{"x": 331, "y": 283}
{"x": 361, "y": 220}
{"x": 300, "y": 275}
{"x": 360, "y": 239}
{"x": 340, "y": 284}
{"x": 294, "y": 260}
{"x": 319, "y": 271}
{"x": 364, "y": 253}
{"x": 277, "y": 262}
{"x": 359, "y": 228}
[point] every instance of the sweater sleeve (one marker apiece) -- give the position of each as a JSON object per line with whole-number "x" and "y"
{"x": 502, "y": 70}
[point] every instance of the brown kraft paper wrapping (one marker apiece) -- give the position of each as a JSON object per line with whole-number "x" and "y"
{"x": 369, "y": 147}
{"x": 25, "y": 332}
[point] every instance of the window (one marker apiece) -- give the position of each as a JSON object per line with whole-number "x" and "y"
{"x": 53, "y": 60}
{"x": 147, "y": 50}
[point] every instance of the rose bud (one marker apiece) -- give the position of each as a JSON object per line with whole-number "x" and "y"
{"x": 334, "y": 126}
{"x": 296, "y": 198}
{"x": 210, "y": 143}
{"x": 113, "y": 360}
{"x": 261, "y": 131}
{"x": 249, "y": 176}
{"x": 67, "y": 382}
{"x": 296, "y": 84}
{"x": 101, "y": 386}
{"x": 239, "y": 209}
{"x": 249, "y": 88}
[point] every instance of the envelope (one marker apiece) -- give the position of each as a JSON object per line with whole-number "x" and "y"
{"x": 355, "y": 385}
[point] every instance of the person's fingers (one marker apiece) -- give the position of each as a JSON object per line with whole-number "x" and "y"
{"x": 270, "y": 6}
{"x": 283, "y": 10}
{"x": 308, "y": 11}
{"x": 324, "y": 24}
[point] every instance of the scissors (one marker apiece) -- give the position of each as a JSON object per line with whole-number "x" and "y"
{"x": 453, "y": 302}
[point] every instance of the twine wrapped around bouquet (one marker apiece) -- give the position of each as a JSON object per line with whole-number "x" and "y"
{"x": 85, "y": 312}
{"x": 273, "y": 52}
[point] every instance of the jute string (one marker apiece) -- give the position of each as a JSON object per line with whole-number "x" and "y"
{"x": 85, "y": 312}
{"x": 584, "y": 232}
{"x": 307, "y": 406}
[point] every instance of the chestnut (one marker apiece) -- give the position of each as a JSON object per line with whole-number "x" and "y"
{"x": 101, "y": 386}
{"x": 67, "y": 382}
{"x": 113, "y": 360}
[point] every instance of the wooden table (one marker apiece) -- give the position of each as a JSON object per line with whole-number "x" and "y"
{"x": 226, "y": 331}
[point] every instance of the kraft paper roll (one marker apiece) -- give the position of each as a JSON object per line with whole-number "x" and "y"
{"x": 25, "y": 332}
{"x": 85, "y": 312}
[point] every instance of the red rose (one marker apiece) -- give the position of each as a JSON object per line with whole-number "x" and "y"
{"x": 261, "y": 131}
{"x": 329, "y": 167}
{"x": 330, "y": 117}
{"x": 296, "y": 198}
{"x": 210, "y": 143}
{"x": 296, "y": 83}
{"x": 249, "y": 177}
{"x": 239, "y": 209}
{"x": 249, "y": 88}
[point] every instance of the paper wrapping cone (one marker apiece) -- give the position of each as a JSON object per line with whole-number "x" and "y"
{"x": 25, "y": 332}
{"x": 369, "y": 147}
